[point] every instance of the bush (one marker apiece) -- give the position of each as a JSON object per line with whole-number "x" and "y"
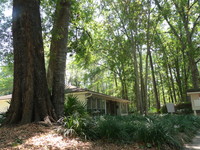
{"x": 158, "y": 133}
{"x": 161, "y": 131}
{"x": 184, "y": 108}
{"x": 163, "y": 109}
{"x": 2, "y": 118}
{"x": 158, "y": 130}
{"x": 72, "y": 106}
{"x": 181, "y": 108}
{"x": 112, "y": 128}
{"x": 75, "y": 121}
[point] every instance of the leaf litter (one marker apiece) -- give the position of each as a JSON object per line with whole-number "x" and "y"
{"x": 39, "y": 137}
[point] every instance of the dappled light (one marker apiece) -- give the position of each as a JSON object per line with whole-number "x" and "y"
{"x": 37, "y": 136}
{"x": 40, "y": 137}
{"x": 99, "y": 74}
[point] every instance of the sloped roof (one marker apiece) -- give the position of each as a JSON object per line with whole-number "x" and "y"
{"x": 74, "y": 89}
{"x": 193, "y": 91}
{"x": 6, "y": 97}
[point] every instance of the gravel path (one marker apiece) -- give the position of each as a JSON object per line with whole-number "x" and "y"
{"x": 195, "y": 144}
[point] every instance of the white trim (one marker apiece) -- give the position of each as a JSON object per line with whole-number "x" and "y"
{"x": 88, "y": 95}
{"x": 76, "y": 93}
{"x": 108, "y": 98}
{"x": 190, "y": 93}
{"x": 6, "y": 97}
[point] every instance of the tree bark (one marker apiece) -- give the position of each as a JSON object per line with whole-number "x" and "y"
{"x": 178, "y": 80}
{"x": 145, "y": 85}
{"x": 58, "y": 51}
{"x": 162, "y": 86}
{"x": 30, "y": 99}
{"x": 172, "y": 83}
{"x": 151, "y": 61}
{"x": 154, "y": 83}
{"x": 136, "y": 73}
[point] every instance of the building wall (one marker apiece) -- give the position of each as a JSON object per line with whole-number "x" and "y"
{"x": 81, "y": 97}
{"x": 4, "y": 105}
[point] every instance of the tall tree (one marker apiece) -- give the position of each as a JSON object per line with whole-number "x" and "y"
{"x": 186, "y": 14}
{"x": 58, "y": 51}
{"x": 30, "y": 99}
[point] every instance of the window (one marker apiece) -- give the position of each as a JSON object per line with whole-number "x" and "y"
{"x": 89, "y": 104}
{"x": 96, "y": 106}
{"x": 94, "y": 103}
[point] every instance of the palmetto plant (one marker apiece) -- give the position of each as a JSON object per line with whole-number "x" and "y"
{"x": 72, "y": 105}
{"x": 161, "y": 131}
{"x": 75, "y": 119}
{"x": 158, "y": 130}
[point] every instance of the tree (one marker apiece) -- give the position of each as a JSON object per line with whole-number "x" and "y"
{"x": 185, "y": 13}
{"x": 30, "y": 99}
{"x": 58, "y": 51}
{"x": 6, "y": 55}
{"x": 6, "y": 79}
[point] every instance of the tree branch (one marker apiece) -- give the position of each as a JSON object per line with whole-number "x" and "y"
{"x": 165, "y": 17}
{"x": 194, "y": 26}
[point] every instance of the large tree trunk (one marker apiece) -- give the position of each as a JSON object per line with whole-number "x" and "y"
{"x": 58, "y": 51}
{"x": 142, "y": 87}
{"x": 30, "y": 100}
{"x": 137, "y": 82}
{"x": 179, "y": 81}
{"x": 193, "y": 67}
{"x": 151, "y": 61}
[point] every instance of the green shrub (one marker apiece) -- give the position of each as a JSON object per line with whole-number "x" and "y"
{"x": 157, "y": 130}
{"x": 73, "y": 125}
{"x": 75, "y": 121}
{"x": 157, "y": 133}
{"x": 161, "y": 131}
{"x": 163, "y": 109}
{"x": 181, "y": 108}
{"x": 112, "y": 128}
{"x": 2, "y": 118}
{"x": 184, "y": 108}
{"x": 72, "y": 106}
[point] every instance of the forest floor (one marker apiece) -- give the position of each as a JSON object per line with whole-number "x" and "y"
{"x": 40, "y": 137}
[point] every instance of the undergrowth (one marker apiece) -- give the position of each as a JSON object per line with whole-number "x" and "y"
{"x": 161, "y": 131}
{"x": 156, "y": 130}
{"x": 2, "y": 118}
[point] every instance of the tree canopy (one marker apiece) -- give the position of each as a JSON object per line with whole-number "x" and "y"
{"x": 146, "y": 51}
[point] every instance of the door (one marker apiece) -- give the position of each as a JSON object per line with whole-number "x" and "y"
{"x": 111, "y": 108}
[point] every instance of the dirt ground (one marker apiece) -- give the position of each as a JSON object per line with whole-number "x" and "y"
{"x": 40, "y": 137}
